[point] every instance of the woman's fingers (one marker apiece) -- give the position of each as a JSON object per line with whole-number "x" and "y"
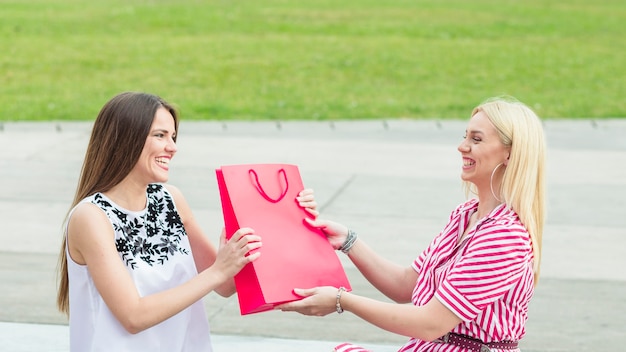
{"x": 313, "y": 212}
{"x": 244, "y": 241}
{"x": 244, "y": 236}
{"x": 307, "y": 192}
{"x": 306, "y": 200}
{"x": 241, "y": 233}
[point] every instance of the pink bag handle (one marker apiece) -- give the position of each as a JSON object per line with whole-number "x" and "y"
{"x": 257, "y": 184}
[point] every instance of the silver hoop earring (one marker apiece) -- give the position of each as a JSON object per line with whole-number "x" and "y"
{"x": 491, "y": 182}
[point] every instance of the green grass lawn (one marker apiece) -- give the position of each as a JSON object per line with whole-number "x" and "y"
{"x": 313, "y": 59}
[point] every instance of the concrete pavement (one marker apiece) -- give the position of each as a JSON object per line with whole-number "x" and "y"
{"x": 394, "y": 181}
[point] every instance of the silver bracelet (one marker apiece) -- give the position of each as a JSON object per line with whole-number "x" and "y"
{"x": 349, "y": 242}
{"x": 338, "y": 303}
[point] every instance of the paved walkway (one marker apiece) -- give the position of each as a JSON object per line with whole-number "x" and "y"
{"x": 394, "y": 181}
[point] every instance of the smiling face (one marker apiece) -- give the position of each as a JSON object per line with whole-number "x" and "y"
{"x": 482, "y": 151}
{"x": 159, "y": 149}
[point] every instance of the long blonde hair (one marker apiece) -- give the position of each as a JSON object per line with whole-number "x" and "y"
{"x": 523, "y": 184}
{"x": 117, "y": 139}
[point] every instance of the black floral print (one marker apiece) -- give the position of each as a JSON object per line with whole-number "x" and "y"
{"x": 151, "y": 236}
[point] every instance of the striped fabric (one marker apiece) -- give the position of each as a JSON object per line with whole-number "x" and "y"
{"x": 487, "y": 280}
{"x": 348, "y": 347}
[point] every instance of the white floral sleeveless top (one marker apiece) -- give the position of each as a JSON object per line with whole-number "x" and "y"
{"x": 153, "y": 245}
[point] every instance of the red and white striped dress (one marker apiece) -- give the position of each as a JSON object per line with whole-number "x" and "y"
{"x": 487, "y": 280}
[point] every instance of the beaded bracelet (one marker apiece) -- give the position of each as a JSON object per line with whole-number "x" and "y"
{"x": 349, "y": 242}
{"x": 338, "y": 303}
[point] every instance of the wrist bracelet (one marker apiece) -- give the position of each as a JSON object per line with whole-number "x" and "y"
{"x": 349, "y": 242}
{"x": 338, "y": 303}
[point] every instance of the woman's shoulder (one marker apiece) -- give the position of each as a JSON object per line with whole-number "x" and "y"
{"x": 504, "y": 225}
{"x": 506, "y": 217}
{"x": 465, "y": 207}
{"x": 86, "y": 212}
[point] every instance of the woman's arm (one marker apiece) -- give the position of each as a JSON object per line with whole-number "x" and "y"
{"x": 91, "y": 243}
{"x": 427, "y": 322}
{"x": 394, "y": 281}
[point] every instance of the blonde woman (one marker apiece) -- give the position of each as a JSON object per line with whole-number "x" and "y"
{"x": 470, "y": 288}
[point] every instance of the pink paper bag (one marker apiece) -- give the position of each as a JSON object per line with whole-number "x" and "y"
{"x": 294, "y": 255}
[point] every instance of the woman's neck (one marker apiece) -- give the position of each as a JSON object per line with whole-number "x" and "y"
{"x": 486, "y": 205}
{"x": 129, "y": 195}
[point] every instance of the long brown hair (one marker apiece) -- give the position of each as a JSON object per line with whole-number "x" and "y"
{"x": 117, "y": 139}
